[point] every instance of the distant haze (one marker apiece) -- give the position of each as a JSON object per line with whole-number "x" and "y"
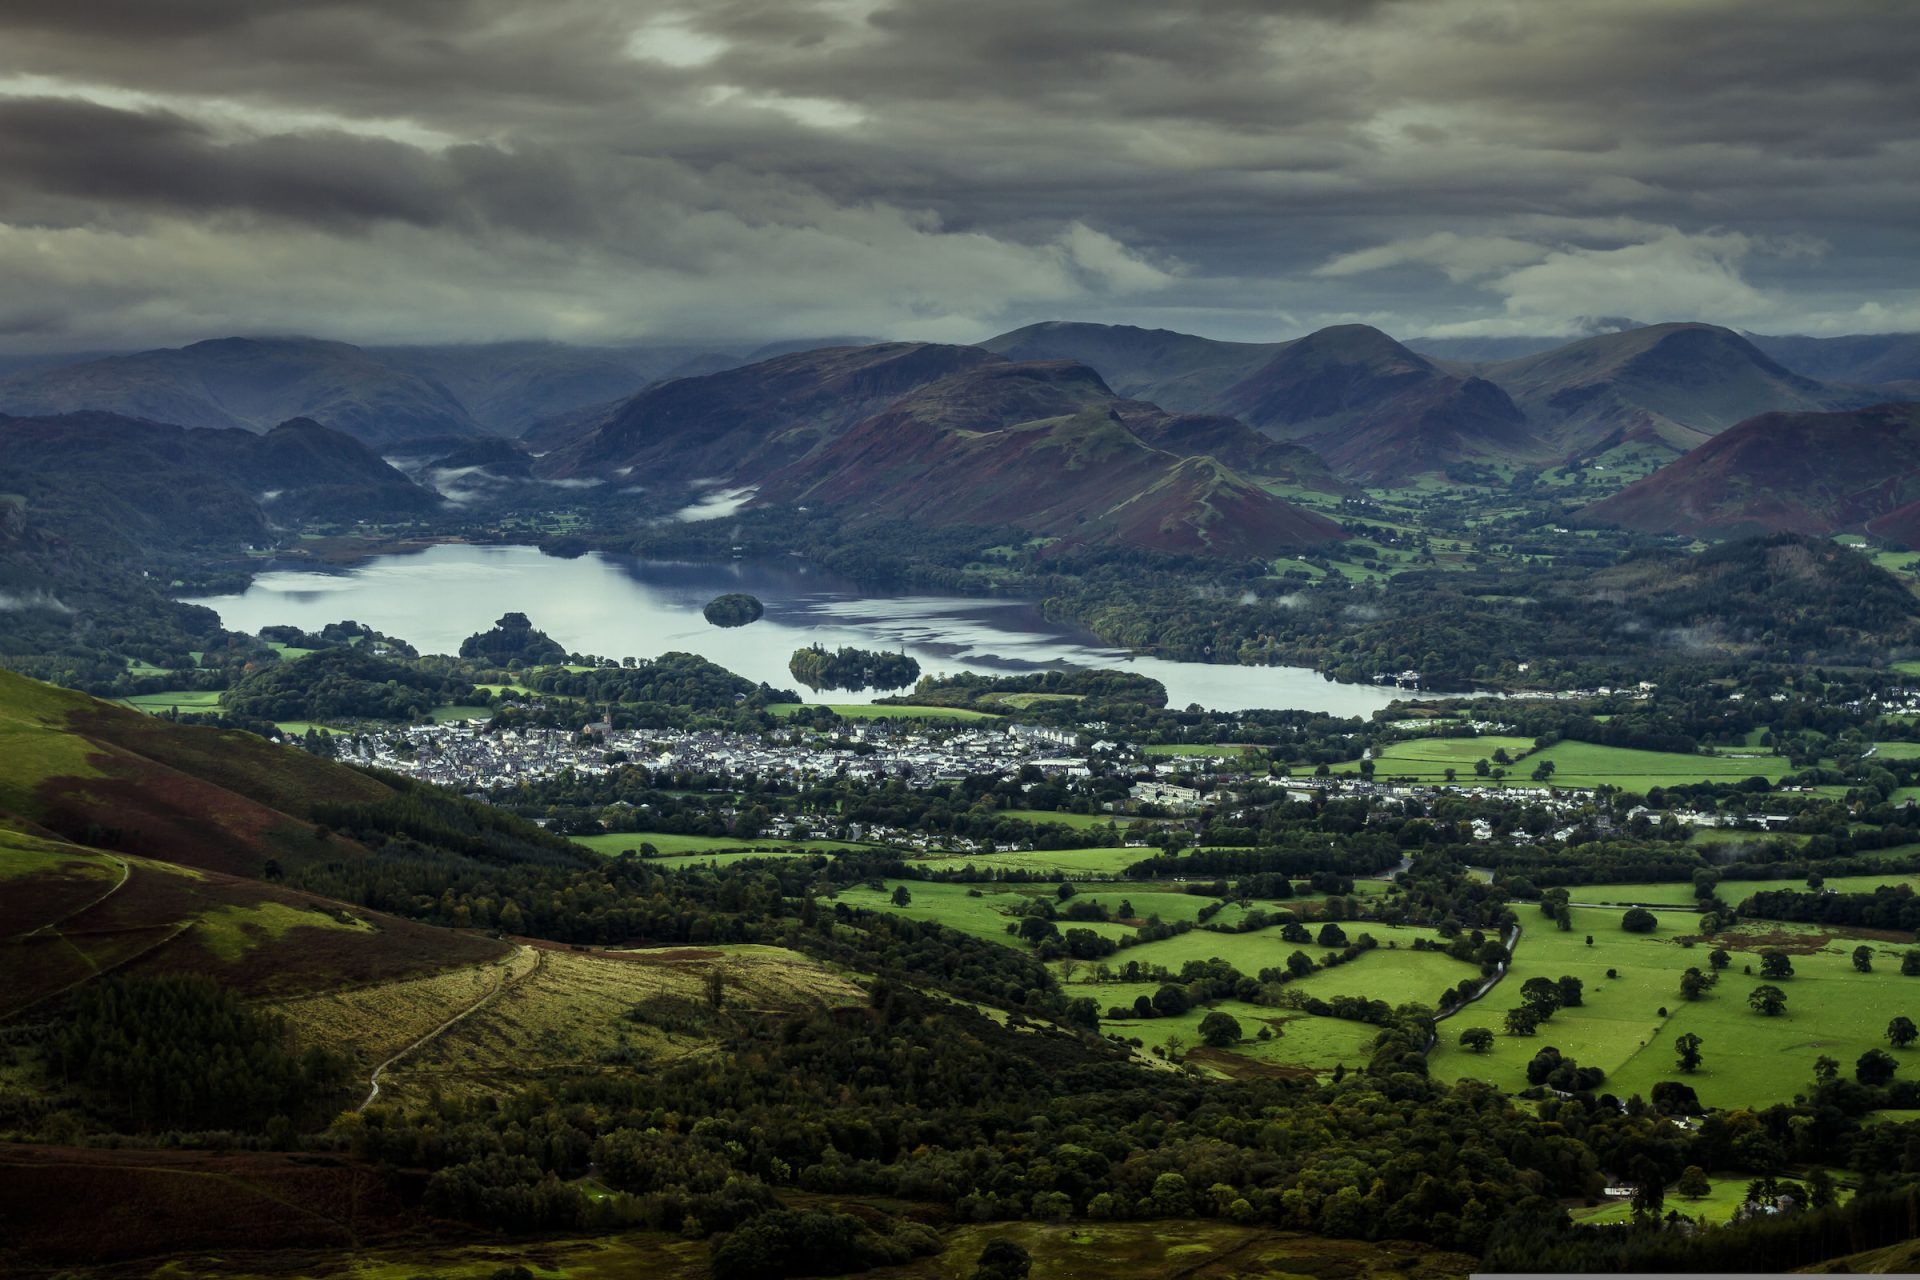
{"x": 602, "y": 171}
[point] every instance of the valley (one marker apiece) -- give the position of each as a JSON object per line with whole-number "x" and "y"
{"x": 880, "y": 638}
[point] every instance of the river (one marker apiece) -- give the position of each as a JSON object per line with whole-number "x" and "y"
{"x": 617, "y": 607}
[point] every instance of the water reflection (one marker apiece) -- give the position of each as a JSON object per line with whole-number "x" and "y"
{"x": 434, "y": 599}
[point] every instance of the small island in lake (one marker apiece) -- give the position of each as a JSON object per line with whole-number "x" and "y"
{"x": 735, "y": 609}
{"x": 852, "y": 669}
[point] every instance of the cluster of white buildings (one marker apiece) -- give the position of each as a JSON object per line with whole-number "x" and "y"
{"x": 469, "y": 757}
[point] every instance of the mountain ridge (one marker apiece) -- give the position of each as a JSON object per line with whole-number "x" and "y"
{"x": 1807, "y": 473}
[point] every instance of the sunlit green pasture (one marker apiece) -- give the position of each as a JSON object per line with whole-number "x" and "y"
{"x": 1749, "y": 1059}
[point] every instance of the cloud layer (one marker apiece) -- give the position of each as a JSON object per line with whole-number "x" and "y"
{"x": 390, "y": 170}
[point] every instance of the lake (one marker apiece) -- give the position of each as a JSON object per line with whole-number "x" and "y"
{"x": 615, "y": 606}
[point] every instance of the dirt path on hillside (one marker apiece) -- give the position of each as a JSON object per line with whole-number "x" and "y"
{"x": 503, "y": 983}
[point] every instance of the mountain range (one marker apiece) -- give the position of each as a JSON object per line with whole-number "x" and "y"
{"x": 1077, "y": 432}
{"x": 1047, "y": 446}
{"x": 1381, "y": 412}
{"x": 950, "y": 434}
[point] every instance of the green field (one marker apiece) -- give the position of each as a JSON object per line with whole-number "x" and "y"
{"x": 186, "y": 701}
{"x": 985, "y": 910}
{"x": 1575, "y": 764}
{"x": 1894, "y": 1115}
{"x": 1428, "y": 759}
{"x": 1078, "y": 821}
{"x": 1220, "y": 751}
{"x": 1107, "y": 861}
{"x": 207, "y": 702}
{"x": 986, "y": 916}
{"x": 1582, "y": 764}
{"x": 860, "y": 711}
{"x": 1749, "y": 1059}
{"x": 1728, "y": 1194}
{"x": 673, "y": 846}
{"x": 1299, "y": 1040}
{"x": 1395, "y": 973}
{"x": 1732, "y": 891}
{"x": 1897, "y": 750}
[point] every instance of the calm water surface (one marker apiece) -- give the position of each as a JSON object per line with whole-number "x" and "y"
{"x": 614, "y": 606}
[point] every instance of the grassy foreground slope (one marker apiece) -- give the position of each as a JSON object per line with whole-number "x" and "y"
{"x": 134, "y": 846}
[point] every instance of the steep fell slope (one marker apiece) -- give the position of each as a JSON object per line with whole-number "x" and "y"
{"x": 966, "y": 450}
{"x": 128, "y": 843}
{"x": 740, "y": 424}
{"x": 1376, "y": 411}
{"x": 1814, "y": 473}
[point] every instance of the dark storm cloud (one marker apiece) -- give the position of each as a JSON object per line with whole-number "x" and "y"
{"x": 595, "y": 168}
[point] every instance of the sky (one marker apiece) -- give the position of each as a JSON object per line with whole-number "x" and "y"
{"x": 609, "y": 171}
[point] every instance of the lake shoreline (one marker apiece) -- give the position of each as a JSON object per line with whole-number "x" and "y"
{"x": 433, "y": 593}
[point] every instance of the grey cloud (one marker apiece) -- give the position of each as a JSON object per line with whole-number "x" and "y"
{"x": 1258, "y": 167}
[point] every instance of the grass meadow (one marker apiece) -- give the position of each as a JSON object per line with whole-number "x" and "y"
{"x": 1717, "y": 1206}
{"x": 1101, "y": 862}
{"x": 1733, "y": 891}
{"x": 676, "y": 846}
{"x": 1748, "y": 1059}
{"x": 1575, "y": 764}
{"x": 190, "y": 701}
{"x": 1078, "y": 821}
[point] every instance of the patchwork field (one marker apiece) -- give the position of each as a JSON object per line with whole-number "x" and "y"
{"x": 1748, "y": 1059}
{"x": 668, "y": 845}
{"x": 1575, "y": 764}
{"x": 1065, "y": 862}
{"x": 1732, "y": 891}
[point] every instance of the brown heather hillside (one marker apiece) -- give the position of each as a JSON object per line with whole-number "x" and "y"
{"x": 128, "y": 843}
{"x": 1377, "y": 412}
{"x": 1813, "y": 473}
{"x": 204, "y": 798}
{"x": 1232, "y": 442}
{"x": 740, "y": 424}
{"x": 957, "y": 435}
{"x": 1082, "y": 477}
